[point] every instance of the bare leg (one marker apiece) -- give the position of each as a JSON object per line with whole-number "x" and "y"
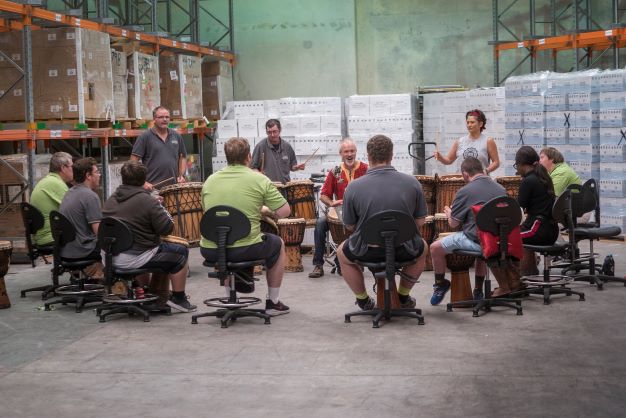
{"x": 352, "y": 273}
{"x": 275, "y": 274}
{"x": 529, "y": 263}
{"x": 179, "y": 279}
{"x": 438, "y": 255}
{"x": 414, "y": 270}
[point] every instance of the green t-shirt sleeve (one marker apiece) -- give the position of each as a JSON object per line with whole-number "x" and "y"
{"x": 273, "y": 199}
{"x": 56, "y": 191}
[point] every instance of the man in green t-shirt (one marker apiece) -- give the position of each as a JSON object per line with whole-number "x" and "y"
{"x": 253, "y": 194}
{"x": 561, "y": 173}
{"x": 49, "y": 191}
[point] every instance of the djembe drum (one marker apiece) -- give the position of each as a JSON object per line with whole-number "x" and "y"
{"x": 292, "y": 232}
{"x": 447, "y": 186}
{"x": 5, "y": 259}
{"x": 427, "y": 232}
{"x": 441, "y": 224}
{"x": 511, "y": 184}
{"x": 459, "y": 265}
{"x": 429, "y": 188}
{"x": 268, "y": 226}
{"x": 338, "y": 232}
{"x": 281, "y": 188}
{"x": 184, "y": 203}
{"x": 301, "y": 199}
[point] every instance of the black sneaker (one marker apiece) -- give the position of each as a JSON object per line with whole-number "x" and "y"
{"x": 181, "y": 305}
{"x": 408, "y": 303}
{"x": 275, "y": 309}
{"x": 366, "y": 304}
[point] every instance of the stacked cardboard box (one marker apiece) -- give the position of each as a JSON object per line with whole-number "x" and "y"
{"x": 181, "y": 85}
{"x": 217, "y": 88}
{"x": 144, "y": 93}
{"x": 392, "y": 115}
{"x": 120, "y": 86}
{"x": 72, "y": 75}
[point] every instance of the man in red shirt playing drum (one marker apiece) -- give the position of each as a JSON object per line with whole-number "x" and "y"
{"x": 332, "y": 196}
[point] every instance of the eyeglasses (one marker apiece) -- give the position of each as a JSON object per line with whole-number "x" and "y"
{"x": 515, "y": 166}
{"x": 162, "y": 117}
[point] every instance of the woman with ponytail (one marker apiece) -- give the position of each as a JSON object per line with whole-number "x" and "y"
{"x": 536, "y": 197}
{"x": 475, "y": 144}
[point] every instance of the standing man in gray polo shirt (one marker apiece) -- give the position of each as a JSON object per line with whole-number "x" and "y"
{"x": 382, "y": 188}
{"x": 162, "y": 151}
{"x": 274, "y": 156}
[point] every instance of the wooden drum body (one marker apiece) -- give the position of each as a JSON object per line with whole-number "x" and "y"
{"x": 5, "y": 259}
{"x": 427, "y": 232}
{"x": 447, "y": 186}
{"x": 184, "y": 203}
{"x": 429, "y": 188}
{"x": 511, "y": 184}
{"x": 337, "y": 230}
{"x": 441, "y": 225}
{"x": 292, "y": 233}
{"x": 268, "y": 226}
{"x": 459, "y": 265}
{"x": 301, "y": 199}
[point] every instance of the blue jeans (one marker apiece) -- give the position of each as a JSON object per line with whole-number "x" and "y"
{"x": 319, "y": 235}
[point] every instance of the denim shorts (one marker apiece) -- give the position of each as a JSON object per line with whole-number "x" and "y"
{"x": 459, "y": 241}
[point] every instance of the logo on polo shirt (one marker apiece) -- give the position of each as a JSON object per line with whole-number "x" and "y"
{"x": 470, "y": 152}
{"x": 174, "y": 142}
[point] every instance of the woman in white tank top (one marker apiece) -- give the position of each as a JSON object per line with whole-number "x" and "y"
{"x": 474, "y": 144}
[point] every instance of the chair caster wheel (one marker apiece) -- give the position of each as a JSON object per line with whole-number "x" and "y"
{"x": 102, "y": 319}
{"x": 47, "y": 308}
{"x": 194, "y": 321}
{"x": 581, "y": 298}
{"x": 347, "y": 320}
{"x": 420, "y": 322}
{"x": 475, "y": 314}
{"x": 267, "y": 321}
{"x": 146, "y": 319}
{"x": 519, "y": 312}
{"x": 448, "y": 308}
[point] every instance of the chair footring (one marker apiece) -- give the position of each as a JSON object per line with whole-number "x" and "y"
{"x": 229, "y": 316}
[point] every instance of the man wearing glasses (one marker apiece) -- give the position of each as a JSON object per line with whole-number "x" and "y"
{"x": 162, "y": 151}
{"x": 81, "y": 206}
{"x": 274, "y": 156}
{"x": 49, "y": 191}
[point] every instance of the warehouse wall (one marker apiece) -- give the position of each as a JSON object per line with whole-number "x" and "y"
{"x": 294, "y": 48}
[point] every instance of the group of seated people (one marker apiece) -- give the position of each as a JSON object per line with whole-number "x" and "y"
{"x": 361, "y": 189}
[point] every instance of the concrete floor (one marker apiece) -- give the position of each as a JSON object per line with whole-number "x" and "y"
{"x": 558, "y": 360}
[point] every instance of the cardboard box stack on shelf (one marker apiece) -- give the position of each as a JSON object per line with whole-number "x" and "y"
{"x": 120, "y": 86}
{"x": 443, "y": 122}
{"x": 144, "y": 93}
{"x": 11, "y": 225}
{"x": 181, "y": 85}
{"x": 392, "y": 115}
{"x": 584, "y": 116}
{"x": 308, "y": 124}
{"x": 72, "y": 75}
{"x": 217, "y": 88}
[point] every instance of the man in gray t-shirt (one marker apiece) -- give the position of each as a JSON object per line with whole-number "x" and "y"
{"x": 274, "y": 156}
{"x": 81, "y": 206}
{"x": 162, "y": 151}
{"x": 381, "y": 188}
{"x": 480, "y": 188}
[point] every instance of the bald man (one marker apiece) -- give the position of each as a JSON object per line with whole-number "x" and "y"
{"x": 332, "y": 196}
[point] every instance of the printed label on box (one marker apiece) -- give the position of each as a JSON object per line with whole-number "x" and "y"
{"x": 16, "y": 57}
{"x": 71, "y": 71}
{"x": 17, "y": 92}
{"x": 53, "y": 73}
{"x": 73, "y": 108}
{"x": 176, "y": 112}
{"x": 71, "y": 35}
{"x": 173, "y": 75}
{"x": 52, "y": 36}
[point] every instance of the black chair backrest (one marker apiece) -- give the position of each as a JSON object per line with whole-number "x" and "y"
{"x": 114, "y": 235}
{"x": 225, "y": 218}
{"x": 592, "y": 186}
{"x": 583, "y": 200}
{"x": 32, "y": 218}
{"x": 500, "y": 214}
{"x": 562, "y": 210}
{"x": 401, "y": 223}
{"x": 499, "y": 217}
{"x": 62, "y": 229}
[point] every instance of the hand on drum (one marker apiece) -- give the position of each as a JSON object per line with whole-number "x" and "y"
{"x": 447, "y": 211}
{"x": 181, "y": 179}
{"x": 265, "y": 211}
{"x": 336, "y": 203}
{"x": 148, "y": 186}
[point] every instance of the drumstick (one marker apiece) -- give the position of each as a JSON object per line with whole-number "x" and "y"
{"x": 311, "y": 156}
{"x": 437, "y": 141}
{"x": 262, "y": 161}
{"x": 163, "y": 181}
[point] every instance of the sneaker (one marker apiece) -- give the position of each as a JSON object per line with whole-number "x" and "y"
{"x": 439, "y": 292}
{"x": 318, "y": 271}
{"x": 275, "y": 309}
{"x": 409, "y": 303}
{"x": 478, "y": 294}
{"x": 181, "y": 305}
{"x": 367, "y": 304}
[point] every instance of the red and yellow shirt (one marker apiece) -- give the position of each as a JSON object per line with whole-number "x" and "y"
{"x": 338, "y": 179}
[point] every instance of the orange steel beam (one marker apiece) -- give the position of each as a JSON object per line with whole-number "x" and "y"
{"x": 30, "y": 12}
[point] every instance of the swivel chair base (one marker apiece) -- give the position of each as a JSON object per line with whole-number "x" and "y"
{"x": 548, "y": 288}
{"x": 79, "y": 294}
{"x": 46, "y": 290}
{"x": 487, "y": 303}
{"x": 131, "y": 307}
{"x": 387, "y": 314}
{"x": 228, "y": 311}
